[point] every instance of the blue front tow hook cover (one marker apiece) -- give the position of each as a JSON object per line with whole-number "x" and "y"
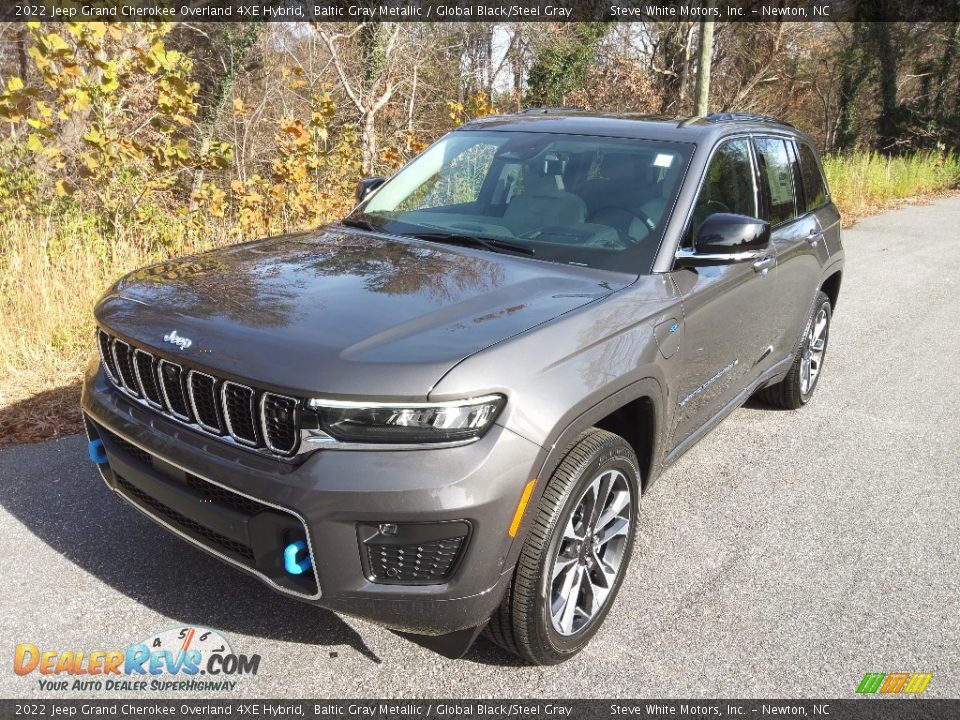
{"x": 97, "y": 452}
{"x": 290, "y": 562}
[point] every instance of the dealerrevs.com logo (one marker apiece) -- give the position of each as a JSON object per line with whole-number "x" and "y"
{"x": 187, "y": 659}
{"x": 894, "y": 683}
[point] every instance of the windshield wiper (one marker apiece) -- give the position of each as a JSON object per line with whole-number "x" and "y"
{"x": 359, "y": 223}
{"x": 489, "y": 243}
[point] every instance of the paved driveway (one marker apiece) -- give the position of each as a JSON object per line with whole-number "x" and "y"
{"x": 786, "y": 555}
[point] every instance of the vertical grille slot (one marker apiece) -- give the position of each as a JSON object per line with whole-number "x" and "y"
{"x": 238, "y": 411}
{"x": 106, "y": 356}
{"x": 202, "y": 389}
{"x": 171, "y": 385}
{"x": 123, "y": 357}
{"x": 278, "y": 415}
{"x": 147, "y": 377}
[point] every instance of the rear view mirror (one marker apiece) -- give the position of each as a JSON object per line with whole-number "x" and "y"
{"x": 367, "y": 186}
{"x": 727, "y": 238}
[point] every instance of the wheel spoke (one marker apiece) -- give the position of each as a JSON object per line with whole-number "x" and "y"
{"x": 571, "y": 596}
{"x": 602, "y": 494}
{"x": 571, "y": 532}
{"x": 621, "y": 499}
{"x": 619, "y": 527}
{"x": 608, "y": 573}
{"x": 562, "y": 565}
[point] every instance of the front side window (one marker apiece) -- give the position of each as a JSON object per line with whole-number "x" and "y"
{"x": 814, "y": 188}
{"x": 584, "y": 200}
{"x": 728, "y": 186}
{"x": 776, "y": 179}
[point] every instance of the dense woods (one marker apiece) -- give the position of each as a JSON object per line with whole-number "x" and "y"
{"x": 123, "y": 143}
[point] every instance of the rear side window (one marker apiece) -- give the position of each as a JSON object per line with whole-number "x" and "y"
{"x": 776, "y": 179}
{"x": 728, "y": 186}
{"x": 814, "y": 188}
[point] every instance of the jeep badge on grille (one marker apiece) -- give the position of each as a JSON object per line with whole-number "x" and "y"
{"x": 178, "y": 340}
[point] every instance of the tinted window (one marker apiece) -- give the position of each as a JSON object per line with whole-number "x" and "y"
{"x": 728, "y": 187}
{"x": 814, "y": 187}
{"x": 776, "y": 179}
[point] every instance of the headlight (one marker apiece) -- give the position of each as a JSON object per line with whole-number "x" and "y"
{"x": 408, "y": 422}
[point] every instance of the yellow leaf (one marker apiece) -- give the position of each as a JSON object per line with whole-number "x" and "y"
{"x": 56, "y": 44}
{"x": 109, "y": 83}
{"x": 14, "y": 84}
{"x": 34, "y": 144}
{"x": 64, "y": 188}
{"x": 81, "y": 100}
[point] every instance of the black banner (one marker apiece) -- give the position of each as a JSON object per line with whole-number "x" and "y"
{"x": 847, "y": 709}
{"x": 479, "y": 10}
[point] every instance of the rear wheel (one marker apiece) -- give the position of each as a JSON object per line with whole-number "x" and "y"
{"x": 576, "y": 553}
{"x": 797, "y": 388}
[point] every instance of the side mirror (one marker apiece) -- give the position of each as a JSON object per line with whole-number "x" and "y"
{"x": 367, "y": 186}
{"x": 725, "y": 238}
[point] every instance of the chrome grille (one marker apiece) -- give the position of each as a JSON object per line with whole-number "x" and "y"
{"x": 202, "y": 389}
{"x": 106, "y": 355}
{"x": 123, "y": 357}
{"x": 143, "y": 363}
{"x": 259, "y": 420}
{"x": 171, "y": 383}
{"x": 238, "y": 408}
{"x": 278, "y": 415}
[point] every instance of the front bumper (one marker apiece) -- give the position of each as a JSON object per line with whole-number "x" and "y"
{"x": 333, "y": 497}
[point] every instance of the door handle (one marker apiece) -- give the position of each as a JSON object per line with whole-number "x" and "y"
{"x": 814, "y": 237}
{"x": 765, "y": 263}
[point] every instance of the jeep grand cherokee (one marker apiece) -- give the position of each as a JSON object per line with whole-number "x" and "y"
{"x": 440, "y": 413}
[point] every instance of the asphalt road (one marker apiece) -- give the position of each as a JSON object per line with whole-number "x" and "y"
{"x": 786, "y": 555}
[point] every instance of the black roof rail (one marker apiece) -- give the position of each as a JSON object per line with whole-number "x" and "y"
{"x": 744, "y": 117}
{"x": 548, "y": 110}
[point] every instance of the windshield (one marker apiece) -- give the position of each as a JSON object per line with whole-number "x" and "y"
{"x": 592, "y": 201}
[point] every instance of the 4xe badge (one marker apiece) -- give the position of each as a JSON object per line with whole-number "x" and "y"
{"x": 178, "y": 340}
{"x": 186, "y": 659}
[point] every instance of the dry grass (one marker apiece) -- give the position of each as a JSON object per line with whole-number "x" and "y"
{"x": 50, "y": 278}
{"x": 865, "y": 183}
{"x": 52, "y": 271}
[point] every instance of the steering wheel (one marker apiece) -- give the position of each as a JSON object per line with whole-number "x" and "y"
{"x": 616, "y": 217}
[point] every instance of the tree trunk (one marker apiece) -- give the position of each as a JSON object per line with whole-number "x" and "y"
{"x": 368, "y": 143}
{"x": 703, "y": 68}
{"x": 946, "y": 66}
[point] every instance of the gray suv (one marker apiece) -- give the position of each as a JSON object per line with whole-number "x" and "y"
{"x": 440, "y": 413}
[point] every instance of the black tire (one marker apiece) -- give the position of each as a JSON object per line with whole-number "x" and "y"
{"x": 522, "y": 624}
{"x": 789, "y": 392}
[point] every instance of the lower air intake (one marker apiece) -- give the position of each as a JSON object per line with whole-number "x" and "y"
{"x": 412, "y": 553}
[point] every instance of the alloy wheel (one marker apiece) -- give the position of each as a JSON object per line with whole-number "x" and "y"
{"x": 590, "y": 554}
{"x": 813, "y": 351}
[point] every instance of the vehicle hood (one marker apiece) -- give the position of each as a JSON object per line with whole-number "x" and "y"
{"x": 337, "y": 312}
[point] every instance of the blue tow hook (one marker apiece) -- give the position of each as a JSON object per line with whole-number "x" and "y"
{"x": 97, "y": 452}
{"x": 290, "y": 562}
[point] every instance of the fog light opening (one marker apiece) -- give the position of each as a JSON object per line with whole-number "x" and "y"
{"x": 290, "y": 562}
{"x": 96, "y": 452}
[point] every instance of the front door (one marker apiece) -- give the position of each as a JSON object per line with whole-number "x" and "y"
{"x": 728, "y": 328}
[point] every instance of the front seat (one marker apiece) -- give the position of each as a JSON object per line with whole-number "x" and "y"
{"x": 543, "y": 201}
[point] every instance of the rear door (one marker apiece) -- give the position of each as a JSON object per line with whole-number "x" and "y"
{"x": 817, "y": 198}
{"x": 796, "y": 235}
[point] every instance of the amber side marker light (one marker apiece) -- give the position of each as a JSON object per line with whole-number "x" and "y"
{"x": 521, "y": 506}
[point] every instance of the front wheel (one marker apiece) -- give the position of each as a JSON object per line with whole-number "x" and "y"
{"x": 576, "y": 553}
{"x": 796, "y": 389}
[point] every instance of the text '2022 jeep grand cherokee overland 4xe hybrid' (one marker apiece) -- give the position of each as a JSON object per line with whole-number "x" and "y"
{"x": 439, "y": 414}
